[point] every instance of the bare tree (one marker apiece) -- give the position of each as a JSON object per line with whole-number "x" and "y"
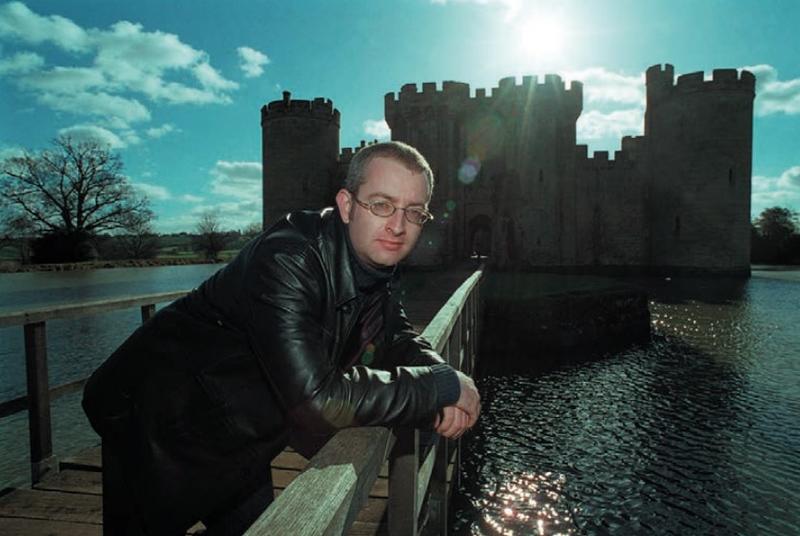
{"x": 73, "y": 191}
{"x": 210, "y": 239}
{"x": 252, "y": 230}
{"x": 138, "y": 241}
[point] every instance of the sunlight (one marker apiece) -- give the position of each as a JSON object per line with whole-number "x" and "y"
{"x": 541, "y": 39}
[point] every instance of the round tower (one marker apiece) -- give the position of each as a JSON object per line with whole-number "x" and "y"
{"x": 300, "y": 150}
{"x": 699, "y": 138}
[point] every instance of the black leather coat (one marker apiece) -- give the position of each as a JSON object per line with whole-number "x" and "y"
{"x": 202, "y": 395}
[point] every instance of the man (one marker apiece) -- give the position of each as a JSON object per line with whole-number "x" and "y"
{"x": 297, "y": 337}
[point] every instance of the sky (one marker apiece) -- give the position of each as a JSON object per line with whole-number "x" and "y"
{"x": 176, "y": 87}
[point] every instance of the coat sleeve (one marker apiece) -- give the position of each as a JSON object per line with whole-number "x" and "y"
{"x": 286, "y": 296}
{"x": 404, "y": 345}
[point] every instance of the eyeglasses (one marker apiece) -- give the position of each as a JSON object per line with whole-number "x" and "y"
{"x": 384, "y": 209}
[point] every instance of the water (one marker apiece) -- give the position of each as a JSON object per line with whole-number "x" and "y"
{"x": 697, "y": 432}
{"x": 75, "y": 346}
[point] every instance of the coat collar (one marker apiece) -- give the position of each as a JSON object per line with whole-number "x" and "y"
{"x": 334, "y": 243}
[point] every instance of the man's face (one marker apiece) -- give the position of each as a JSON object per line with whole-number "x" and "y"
{"x": 377, "y": 241}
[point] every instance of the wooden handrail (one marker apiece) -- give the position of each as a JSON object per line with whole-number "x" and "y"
{"x": 43, "y": 314}
{"x": 345, "y": 469}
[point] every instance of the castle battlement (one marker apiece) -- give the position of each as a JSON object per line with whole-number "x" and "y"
{"x": 320, "y": 108}
{"x": 662, "y": 78}
{"x": 460, "y": 92}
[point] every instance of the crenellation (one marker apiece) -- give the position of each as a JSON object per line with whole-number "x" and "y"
{"x": 582, "y": 152}
{"x": 455, "y": 89}
{"x": 690, "y": 81}
{"x": 318, "y": 108}
{"x": 480, "y": 93}
{"x": 428, "y": 88}
{"x": 507, "y": 82}
{"x": 554, "y": 80}
{"x": 529, "y": 81}
{"x": 660, "y": 75}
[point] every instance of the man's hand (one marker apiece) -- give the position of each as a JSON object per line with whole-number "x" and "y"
{"x": 461, "y": 416}
{"x": 452, "y": 424}
{"x": 470, "y": 400}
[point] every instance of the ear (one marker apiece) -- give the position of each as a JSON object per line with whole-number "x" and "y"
{"x": 344, "y": 201}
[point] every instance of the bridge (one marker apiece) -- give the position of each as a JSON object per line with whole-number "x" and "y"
{"x": 369, "y": 480}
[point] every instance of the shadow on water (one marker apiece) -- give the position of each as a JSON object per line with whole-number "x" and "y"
{"x": 696, "y": 432}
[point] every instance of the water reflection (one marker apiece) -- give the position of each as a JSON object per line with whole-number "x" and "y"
{"x": 695, "y": 433}
{"x": 524, "y": 502}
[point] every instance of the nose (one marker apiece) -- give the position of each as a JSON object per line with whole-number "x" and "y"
{"x": 396, "y": 223}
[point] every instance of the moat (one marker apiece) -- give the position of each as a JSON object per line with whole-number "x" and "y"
{"x": 697, "y": 432}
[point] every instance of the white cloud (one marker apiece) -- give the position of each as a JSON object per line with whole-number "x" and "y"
{"x": 124, "y": 67}
{"x": 377, "y": 128}
{"x": 163, "y": 130}
{"x": 603, "y": 86}
{"x": 773, "y": 95}
{"x": 593, "y": 124}
{"x": 19, "y": 22}
{"x": 251, "y": 61}
{"x": 98, "y": 104}
{"x": 93, "y": 133}
{"x": 211, "y": 79}
{"x": 19, "y": 63}
{"x": 782, "y": 191}
{"x": 153, "y": 191}
{"x": 59, "y": 80}
{"x": 237, "y": 179}
{"x": 189, "y": 198}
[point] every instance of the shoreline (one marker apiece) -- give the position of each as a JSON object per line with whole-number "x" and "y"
{"x": 12, "y": 267}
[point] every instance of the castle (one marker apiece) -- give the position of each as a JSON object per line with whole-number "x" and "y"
{"x": 513, "y": 184}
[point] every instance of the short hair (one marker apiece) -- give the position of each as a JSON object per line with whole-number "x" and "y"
{"x": 396, "y": 150}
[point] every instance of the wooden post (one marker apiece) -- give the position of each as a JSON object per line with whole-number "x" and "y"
{"x": 148, "y": 311}
{"x": 42, "y": 460}
{"x": 403, "y": 474}
{"x": 438, "y": 490}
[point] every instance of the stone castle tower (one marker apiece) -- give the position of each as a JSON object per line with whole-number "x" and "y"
{"x": 513, "y": 184}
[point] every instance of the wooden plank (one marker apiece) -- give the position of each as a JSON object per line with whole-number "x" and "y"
{"x": 439, "y": 329}
{"x": 289, "y": 460}
{"x": 86, "y": 460}
{"x": 15, "y": 405}
{"x": 43, "y": 314}
{"x": 72, "y": 481}
{"x": 40, "y": 432}
{"x": 326, "y": 497}
{"x": 52, "y": 505}
{"x": 18, "y": 526}
{"x": 403, "y": 485}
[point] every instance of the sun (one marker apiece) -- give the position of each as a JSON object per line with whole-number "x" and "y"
{"x": 541, "y": 40}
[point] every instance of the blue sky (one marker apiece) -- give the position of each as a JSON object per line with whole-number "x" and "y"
{"x": 176, "y": 87}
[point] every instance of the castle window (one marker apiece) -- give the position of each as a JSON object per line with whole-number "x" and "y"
{"x": 541, "y": 175}
{"x": 677, "y": 229}
{"x": 730, "y": 176}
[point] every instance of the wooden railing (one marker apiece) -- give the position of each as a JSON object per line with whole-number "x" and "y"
{"x": 37, "y": 401}
{"x": 327, "y": 496}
